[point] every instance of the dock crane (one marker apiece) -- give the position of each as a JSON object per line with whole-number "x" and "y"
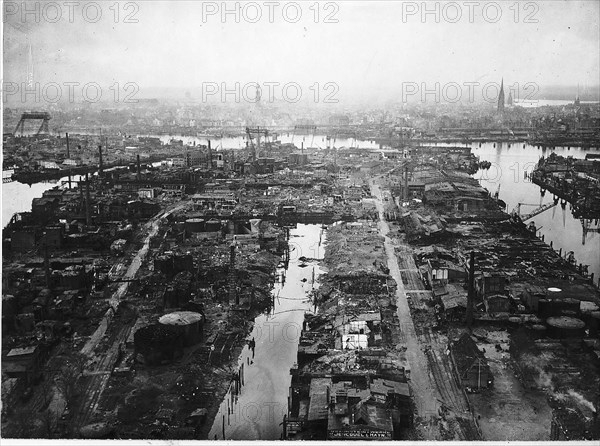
{"x": 34, "y": 116}
{"x": 539, "y": 209}
{"x": 586, "y": 229}
{"x": 258, "y": 132}
{"x": 497, "y": 193}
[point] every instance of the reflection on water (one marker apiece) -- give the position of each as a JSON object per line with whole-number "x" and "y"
{"x": 308, "y": 140}
{"x": 510, "y": 161}
{"x": 257, "y": 412}
{"x": 16, "y": 197}
{"x": 557, "y": 224}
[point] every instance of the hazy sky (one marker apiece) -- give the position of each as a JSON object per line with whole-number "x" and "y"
{"x": 373, "y": 47}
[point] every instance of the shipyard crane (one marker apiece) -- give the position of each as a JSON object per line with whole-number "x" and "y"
{"x": 34, "y": 116}
{"x": 539, "y": 209}
{"x": 497, "y": 193}
{"x": 312, "y": 129}
{"x": 586, "y": 229}
{"x": 257, "y": 131}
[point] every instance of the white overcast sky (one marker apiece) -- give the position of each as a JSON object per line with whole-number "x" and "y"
{"x": 370, "y": 48}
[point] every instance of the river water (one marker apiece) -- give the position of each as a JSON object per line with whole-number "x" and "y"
{"x": 257, "y": 412}
{"x": 557, "y": 225}
{"x": 239, "y": 142}
{"x": 509, "y": 163}
{"x": 16, "y": 197}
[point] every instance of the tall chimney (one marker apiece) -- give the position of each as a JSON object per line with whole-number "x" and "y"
{"x": 80, "y": 186}
{"x": 257, "y": 155}
{"x": 405, "y": 183}
{"x": 47, "y": 265}
{"x": 88, "y": 217}
{"x": 68, "y": 154}
{"x": 233, "y": 297}
{"x": 139, "y": 170}
{"x": 100, "y": 166}
{"x": 471, "y": 292}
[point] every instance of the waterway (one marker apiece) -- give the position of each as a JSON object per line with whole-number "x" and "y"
{"x": 17, "y": 197}
{"x": 239, "y": 142}
{"x": 510, "y": 161}
{"x": 257, "y": 412}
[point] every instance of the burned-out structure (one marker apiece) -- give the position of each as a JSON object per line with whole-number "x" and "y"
{"x": 351, "y": 382}
{"x": 141, "y": 285}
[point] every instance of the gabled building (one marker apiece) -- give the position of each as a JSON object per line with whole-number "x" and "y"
{"x": 490, "y": 283}
{"x": 471, "y": 364}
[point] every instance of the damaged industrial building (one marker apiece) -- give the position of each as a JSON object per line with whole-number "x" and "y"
{"x": 136, "y": 300}
{"x": 267, "y": 225}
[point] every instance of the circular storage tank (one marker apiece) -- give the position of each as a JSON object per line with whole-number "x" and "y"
{"x": 213, "y": 225}
{"x": 536, "y": 321}
{"x": 194, "y": 225}
{"x": 538, "y": 331}
{"x": 188, "y": 323}
{"x": 545, "y": 308}
{"x": 164, "y": 264}
{"x": 588, "y": 307}
{"x": 594, "y": 324}
{"x": 568, "y": 306}
{"x": 569, "y": 313}
{"x": 565, "y": 327}
{"x": 514, "y": 321}
{"x": 183, "y": 262}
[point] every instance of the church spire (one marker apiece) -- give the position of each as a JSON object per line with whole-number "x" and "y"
{"x": 501, "y": 98}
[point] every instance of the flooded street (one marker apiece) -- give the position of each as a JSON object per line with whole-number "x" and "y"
{"x": 257, "y": 412}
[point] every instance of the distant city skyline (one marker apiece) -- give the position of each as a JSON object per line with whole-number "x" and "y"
{"x": 170, "y": 47}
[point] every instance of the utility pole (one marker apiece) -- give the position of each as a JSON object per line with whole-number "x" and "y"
{"x": 233, "y": 296}
{"x": 471, "y": 292}
{"x": 88, "y": 217}
{"x": 257, "y": 144}
{"x": 100, "y": 164}
{"x": 139, "y": 169}
{"x": 406, "y": 182}
{"x": 47, "y": 265}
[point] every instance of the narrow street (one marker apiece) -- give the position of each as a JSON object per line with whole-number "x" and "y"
{"x": 433, "y": 378}
{"x": 426, "y": 396}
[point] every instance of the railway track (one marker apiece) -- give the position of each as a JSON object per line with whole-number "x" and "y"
{"x": 98, "y": 379}
{"x": 444, "y": 375}
{"x": 99, "y": 376}
{"x": 434, "y": 379}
